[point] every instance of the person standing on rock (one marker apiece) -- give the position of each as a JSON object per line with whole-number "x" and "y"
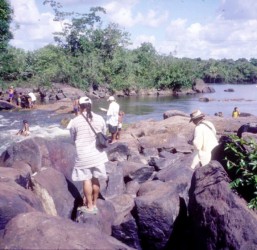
{"x": 90, "y": 161}
{"x": 11, "y": 94}
{"x": 236, "y": 112}
{"x": 204, "y": 139}
{"x": 113, "y": 118}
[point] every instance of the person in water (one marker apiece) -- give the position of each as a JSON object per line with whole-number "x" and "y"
{"x": 25, "y": 129}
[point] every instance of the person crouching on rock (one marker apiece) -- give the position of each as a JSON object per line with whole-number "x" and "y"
{"x": 25, "y": 129}
{"x": 204, "y": 139}
{"x": 89, "y": 161}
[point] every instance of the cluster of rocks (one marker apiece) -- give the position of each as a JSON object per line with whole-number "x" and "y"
{"x": 152, "y": 199}
{"x": 64, "y": 92}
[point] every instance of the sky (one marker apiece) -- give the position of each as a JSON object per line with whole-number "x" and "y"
{"x": 203, "y": 29}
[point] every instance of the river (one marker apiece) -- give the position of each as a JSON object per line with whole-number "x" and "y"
{"x": 46, "y": 124}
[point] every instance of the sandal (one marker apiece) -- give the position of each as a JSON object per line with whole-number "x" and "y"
{"x": 86, "y": 210}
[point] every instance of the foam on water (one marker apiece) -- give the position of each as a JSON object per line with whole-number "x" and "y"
{"x": 54, "y": 131}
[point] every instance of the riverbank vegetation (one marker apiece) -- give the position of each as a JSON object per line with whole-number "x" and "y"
{"x": 89, "y": 54}
{"x": 241, "y": 158}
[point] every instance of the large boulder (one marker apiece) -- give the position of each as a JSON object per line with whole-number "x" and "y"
{"x": 220, "y": 218}
{"x": 14, "y": 200}
{"x": 41, "y": 231}
{"x": 156, "y": 212}
{"x": 51, "y": 187}
{"x": 39, "y": 152}
{"x": 199, "y": 86}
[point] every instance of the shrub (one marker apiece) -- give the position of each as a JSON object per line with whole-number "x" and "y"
{"x": 241, "y": 163}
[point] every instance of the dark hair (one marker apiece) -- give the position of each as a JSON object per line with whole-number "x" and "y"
{"x": 25, "y": 121}
{"x": 87, "y": 107}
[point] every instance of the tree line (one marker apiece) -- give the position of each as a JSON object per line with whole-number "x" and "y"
{"x": 89, "y": 54}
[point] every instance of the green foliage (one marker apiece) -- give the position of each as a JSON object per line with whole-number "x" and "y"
{"x": 5, "y": 20}
{"x": 242, "y": 167}
{"x": 89, "y": 54}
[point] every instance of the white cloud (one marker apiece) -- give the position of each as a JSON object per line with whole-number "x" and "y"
{"x": 125, "y": 14}
{"x": 143, "y": 39}
{"x": 232, "y": 34}
{"x": 35, "y": 28}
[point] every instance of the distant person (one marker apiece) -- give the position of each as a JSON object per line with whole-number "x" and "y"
{"x": 11, "y": 94}
{"x": 25, "y": 129}
{"x": 235, "y": 112}
{"x": 113, "y": 117}
{"x": 204, "y": 139}
{"x": 76, "y": 106}
{"x": 120, "y": 121}
{"x": 19, "y": 96}
{"x": 31, "y": 99}
{"x": 89, "y": 161}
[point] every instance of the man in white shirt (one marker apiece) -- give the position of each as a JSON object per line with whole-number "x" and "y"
{"x": 112, "y": 117}
{"x": 32, "y": 99}
{"x": 204, "y": 139}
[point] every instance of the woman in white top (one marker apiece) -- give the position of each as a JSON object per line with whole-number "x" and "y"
{"x": 90, "y": 161}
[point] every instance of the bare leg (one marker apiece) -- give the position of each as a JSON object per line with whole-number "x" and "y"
{"x": 96, "y": 190}
{"x": 88, "y": 190}
{"x": 114, "y": 137}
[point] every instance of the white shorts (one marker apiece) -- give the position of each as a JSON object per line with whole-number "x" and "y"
{"x": 84, "y": 174}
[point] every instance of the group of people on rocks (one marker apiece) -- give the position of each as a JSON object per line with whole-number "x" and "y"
{"x": 23, "y": 100}
{"x": 90, "y": 160}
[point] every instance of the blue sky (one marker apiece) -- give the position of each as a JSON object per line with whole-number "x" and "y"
{"x": 185, "y": 28}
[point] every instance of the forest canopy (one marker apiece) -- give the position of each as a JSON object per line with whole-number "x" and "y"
{"x": 90, "y": 54}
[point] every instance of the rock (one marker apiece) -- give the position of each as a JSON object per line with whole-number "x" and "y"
{"x": 127, "y": 232}
{"x": 141, "y": 175}
{"x": 229, "y": 90}
{"x": 171, "y": 113}
{"x": 40, "y": 231}
{"x": 7, "y": 105}
{"x": 15, "y": 200}
{"x": 204, "y": 99}
{"x": 200, "y": 86}
{"x": 20, "y": 175}
{"x": 132, "y": 188}
{"x": 103, "y": 220}
{"x": 114, "y": 184}
{"x": 51, "y": 187}
{"x": 220, "y": 218}
{"x": 156, "y": 212}
{"x": 118, "y": 152}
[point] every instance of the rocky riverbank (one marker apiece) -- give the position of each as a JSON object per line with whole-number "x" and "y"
{"x": 60, "y": 96}
{"x": 151, "y": 200}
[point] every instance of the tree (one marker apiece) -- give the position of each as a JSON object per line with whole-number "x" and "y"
{"x": 5, "y": 21}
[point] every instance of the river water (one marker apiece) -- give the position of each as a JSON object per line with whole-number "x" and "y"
{"x": 46, "y": 124}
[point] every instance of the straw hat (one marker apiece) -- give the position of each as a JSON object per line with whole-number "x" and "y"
{"x": 196, "y": 115}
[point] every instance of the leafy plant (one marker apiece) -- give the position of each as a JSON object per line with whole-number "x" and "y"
{"x": 241, "y": 159}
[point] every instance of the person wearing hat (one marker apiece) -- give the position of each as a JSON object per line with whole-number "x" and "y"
{"x": 113, "y": 118}
{"x": 204, "y": 139}
{"x": 89, "y": 161}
